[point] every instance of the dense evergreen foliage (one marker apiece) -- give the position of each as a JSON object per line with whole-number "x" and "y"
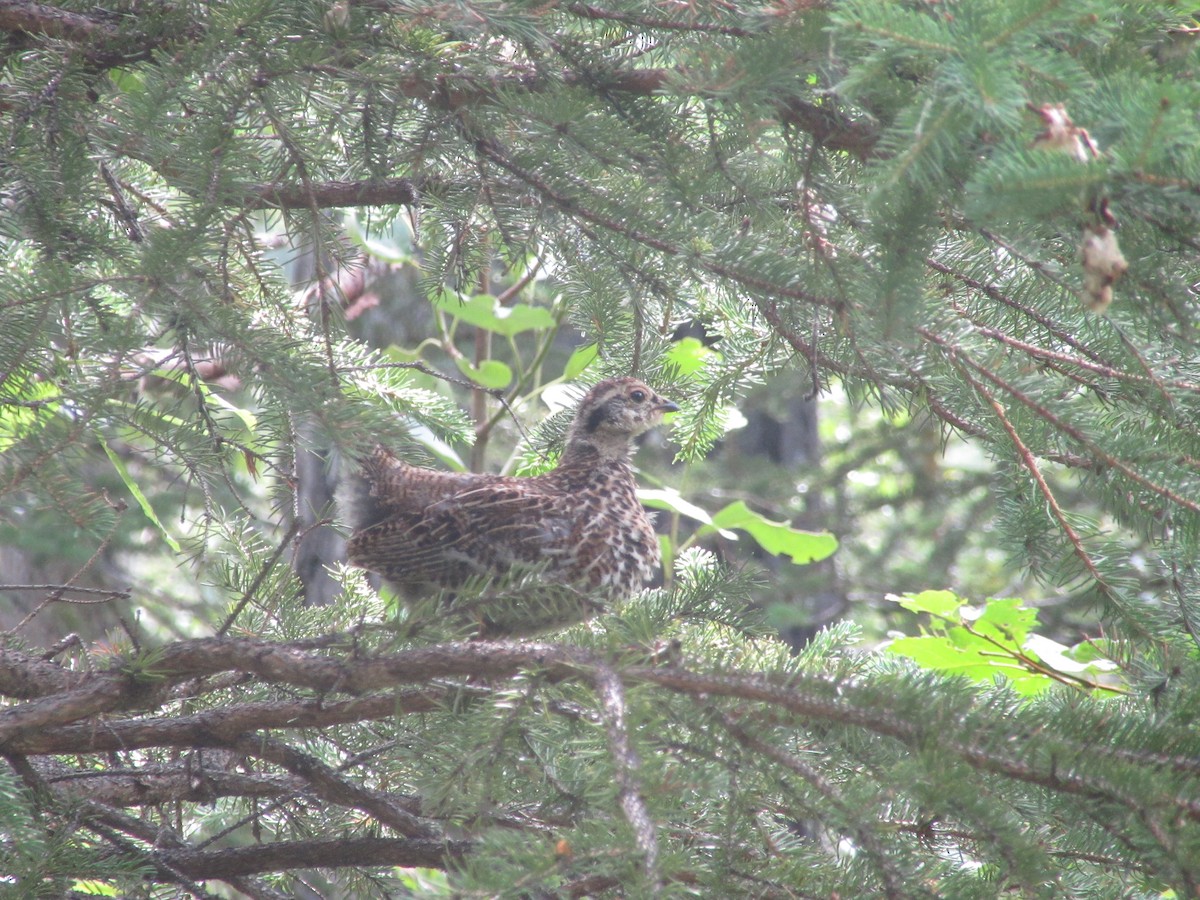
{"x": 245, "y": 241}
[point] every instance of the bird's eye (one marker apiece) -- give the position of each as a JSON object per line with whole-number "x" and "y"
{"x": 637, "y": 396}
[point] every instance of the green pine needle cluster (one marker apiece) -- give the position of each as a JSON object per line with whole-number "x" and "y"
{"x": 951, "y": 228}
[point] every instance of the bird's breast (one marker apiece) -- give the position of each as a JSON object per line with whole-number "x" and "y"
{"x": 612, "y": 543}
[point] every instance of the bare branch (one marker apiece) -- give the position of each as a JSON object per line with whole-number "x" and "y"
{"x": 222, "y": 727}
{"x": 51, "y": 21}
{"x": 26, "y": 676}
{"x": 285, "y": 855}
{"x": 153, "y": 785}
{"x": 611, "y": 693}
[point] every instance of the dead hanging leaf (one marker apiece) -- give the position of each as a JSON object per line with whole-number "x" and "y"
{"x": 1063, "y": 135}
{"x": 1103, "y": 264}
{"x": 1099, "y": 251}
{"x": 251, "y": 463}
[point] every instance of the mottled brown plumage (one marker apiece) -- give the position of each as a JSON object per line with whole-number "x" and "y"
{"x": 579, "y": 524}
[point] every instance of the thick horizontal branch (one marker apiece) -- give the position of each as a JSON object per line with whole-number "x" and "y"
{"x": 51, "y": 21}
{"x": 206, "y": 776}
{"x": 25, "y": 676}
{"x": 96, "y": 695}
{"x": 101, "y": 38}
{"x": 813, "y": 699}
{"x": 321, "y": 671}
{"x": 219, "y": 727}
{"x": 181, "y": 783}
{"x": 286, "y": 855}
{"x": 144, "y": 685}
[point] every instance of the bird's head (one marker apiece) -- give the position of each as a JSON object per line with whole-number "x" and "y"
{"x": 612, "y": 414}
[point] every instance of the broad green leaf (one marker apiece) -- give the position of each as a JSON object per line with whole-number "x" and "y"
{"x": 936, "y": 603}
{"x": 963, "y": 637}
{"x": 1062, "y": 658}
{"x": 974, "y": 658}
{"x": 387, "y": 252}
{"x": 483, "y": 311}
{"x": 94, "y": 888}
{"x": 396, "y": 353}
{"x": 1095, "y": 649}
{"x": 491, "y": 373}
{"x": 137, "y": 494}
{"x": 437, "y": 448}
{"x": 1008, "y": 620}
{"x": 996, "y": 639}
{"x": 127, "y": 79}
{"x": 580, "y": 360}
{"x": 216, "y": 400}
{"x": 672, "y": 501}
{"x": 939, "y": 652}
{"x": 779, "y": 538}
{"x": 18, "y": 421}
{"x": 211, "y": 397}
{"x": 689, "y": 355}
{"x": 134, "y": 411}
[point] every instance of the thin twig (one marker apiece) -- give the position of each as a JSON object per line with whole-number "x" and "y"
{"x": 69, "y": 588}
{"x": 260, "y": 578}
{"x": 1065, "y": 427}
{"x": 496, "y": 393}
{"x": 1029, "y": 461}
{"x": 56, "y": 593}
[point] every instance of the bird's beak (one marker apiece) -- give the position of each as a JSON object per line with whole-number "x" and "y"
{"x": 667, "y": 406}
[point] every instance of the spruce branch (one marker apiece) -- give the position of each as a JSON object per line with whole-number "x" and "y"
{"x": 292, "y": 664}
{"x": 53, "y": 21}
{"x": 314, "y": 854}
{"x": 1066, "y": 428}
{"x": 862, "y": 826}
{"x": 102, "y": 42}
{"x": 150, "y": 785}
{"x": 60, "y": 589}
{"x": 109, "y": 824}
{"x": 1029, "y": 461}
{"x": 25, "y": 676}
{"x": 263, "y": 573}
{"x": 858, "y": 209}
{"x": 1064, "y": 363}
{"x": 577, "y": 206}
{"x": 330, "y": 665}
{"x": 322, "y": 781}
{"x": 820, "y": 704}
{"x": 657, "y": 23}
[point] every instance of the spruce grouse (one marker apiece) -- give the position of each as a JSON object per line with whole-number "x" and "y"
{"x": 579, "y": 524}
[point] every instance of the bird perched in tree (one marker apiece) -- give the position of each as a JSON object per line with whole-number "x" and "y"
{"x": 579, "y": 524}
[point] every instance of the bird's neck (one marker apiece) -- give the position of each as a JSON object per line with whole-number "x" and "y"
{"x": 581, "y": 453}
